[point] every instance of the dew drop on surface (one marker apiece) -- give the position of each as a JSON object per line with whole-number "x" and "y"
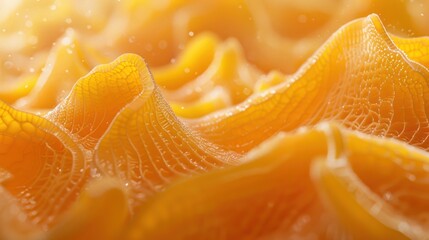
{"x": 302, "y": 18}
{"x": 33, "y": 40}
{"x": 50, "y": 218}
{"x": 403, "y": 226}
{"x": 376, "y": 208}
{"x": 162, "y": 44}
{"x": 387, "y": 196}
{"x": 94, "y": 173}
{"x": 247, "y": 91}
{"x": 411, "y": 177}
{"x": 28, "y": 23}
{"x": 300, "y": 223}
{"x": 131, "y": 39}
{"x": 191, "y": 34}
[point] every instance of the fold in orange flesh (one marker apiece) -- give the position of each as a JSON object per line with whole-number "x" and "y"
{"x": 228, "y": 74}
{"x": 146, "y": 145}
{"x": 97, "y": 97}
{"x": 47, "y": 168}
{"x": 100, "y": 213}
{"x": 348, "y": 80}
{"x": 185, "y": 68}
{"x": 310, "y": 183}
{"x": 68, "y": 60}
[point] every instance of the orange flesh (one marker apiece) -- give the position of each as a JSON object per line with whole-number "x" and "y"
{"x": 214, "y": 119}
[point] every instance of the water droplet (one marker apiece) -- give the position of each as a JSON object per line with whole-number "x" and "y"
{"x": 302, "y": 18}
{"x": 32, "y": 40}
{"x": 403, "y": 226}
{"x": 191, "y": 34}
{"x": 387, "y": 196}
{"x": 247, "y": 91}
{"x": 162, "y": 44}
{"x": 411, "y": 177}
{"x": 131, "y": 39}
{"x": 28, "y": 23}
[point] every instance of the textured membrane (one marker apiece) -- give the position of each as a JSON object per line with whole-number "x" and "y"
{"x": 226, "y": 119}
